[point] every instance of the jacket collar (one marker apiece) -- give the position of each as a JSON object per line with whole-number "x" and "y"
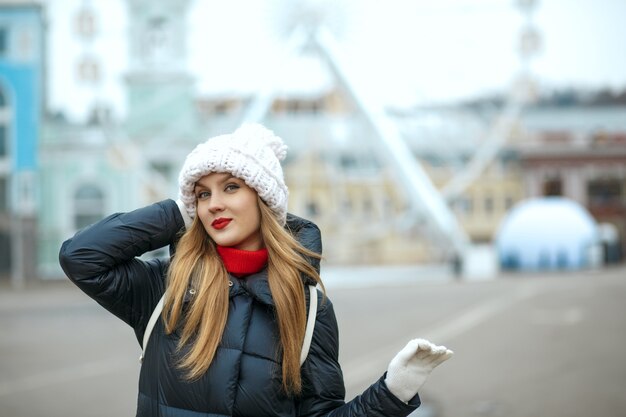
{"x": 256, "y": 285}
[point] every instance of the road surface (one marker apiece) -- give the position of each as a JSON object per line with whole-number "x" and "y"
{"x": 534, "y": 345}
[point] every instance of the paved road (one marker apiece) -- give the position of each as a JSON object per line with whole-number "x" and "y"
{"x": 549, "y": 345}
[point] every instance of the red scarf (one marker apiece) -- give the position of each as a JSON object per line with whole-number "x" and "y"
{"x": 242, "y": 262}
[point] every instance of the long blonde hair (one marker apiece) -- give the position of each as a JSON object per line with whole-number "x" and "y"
{"x": 197, "y": 264}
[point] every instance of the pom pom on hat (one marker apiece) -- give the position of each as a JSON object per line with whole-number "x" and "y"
{"x": 251, "y": 153}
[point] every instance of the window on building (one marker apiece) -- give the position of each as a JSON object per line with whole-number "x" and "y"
{"x": 88, "y": 206}
{"x": 388, "y": 206}
{"x": 3, "y": 41}
{"x": 368, "y": 207}
{"x": 86, "y": 24}
{"x": 5, "y": 252}
{"x": 489, "y": 205}
{"x": 346, "y": 205}
{"x": 348, "y": 161}
{"x": 316, "y": 106}
{"x": 508, "y": 202}
{"x": 553, "y": 187}
{"x": 222, "y": 108}
{"x": 4, "y": 194}
{"x": 88, "y": 70}
{"x": 3, "y": 141}
{"x": 25, "y": 45}
{"x": 357, "y": 164}
{"x": 293, "y": 106}
{"x": 604, "y": 192}
{"x": 312, "y": 209}
{"x": 464, "y": 205}
{"x": 163, "y": 168}
{"x": 157, "y": 30}
{"x": 157, "y": 45}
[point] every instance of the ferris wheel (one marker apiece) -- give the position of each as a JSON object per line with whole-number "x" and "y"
{"x": 311, "y": 26}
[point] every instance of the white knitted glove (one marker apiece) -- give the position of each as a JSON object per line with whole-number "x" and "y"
{"x": 409, "y": 369}
{"x": 183, "y": 212}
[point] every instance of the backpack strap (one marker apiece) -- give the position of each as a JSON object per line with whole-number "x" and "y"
{"x": 310, "y": 324}
{"x": 308, "y": 335}
{"x": 156, "y": 313}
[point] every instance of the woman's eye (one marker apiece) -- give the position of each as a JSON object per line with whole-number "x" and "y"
{"x": 203, "y": 194}
{"x": 231, "y": 187}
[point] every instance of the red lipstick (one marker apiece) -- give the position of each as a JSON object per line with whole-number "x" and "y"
{"x": 220, "y": 223}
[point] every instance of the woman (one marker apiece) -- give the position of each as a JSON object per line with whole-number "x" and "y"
{"x": 231, "y": 333}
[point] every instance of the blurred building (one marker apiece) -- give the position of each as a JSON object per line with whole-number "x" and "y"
{"x": 21, "y": 101}
{"x": 575, "y": 150}
{"x": 579, "y": 152}
{"x": 102, "y": 166}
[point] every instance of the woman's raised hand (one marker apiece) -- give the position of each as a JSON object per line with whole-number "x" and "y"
{"x": 409, "y": 369}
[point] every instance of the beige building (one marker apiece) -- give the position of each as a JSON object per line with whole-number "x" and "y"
{"x": 359, "y": 213}
{"x": 484, "y": 204}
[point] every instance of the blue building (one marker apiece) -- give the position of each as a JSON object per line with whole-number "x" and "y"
{"x": 21, "y": 103}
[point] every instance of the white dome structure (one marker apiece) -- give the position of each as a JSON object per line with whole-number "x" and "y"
{"x": 547, "y": 233}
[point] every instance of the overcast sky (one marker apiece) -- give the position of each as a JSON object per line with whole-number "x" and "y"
{"x": 433, "y": 49}
{"x": 405, "y": 51}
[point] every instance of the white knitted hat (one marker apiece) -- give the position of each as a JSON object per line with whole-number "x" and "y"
{"x": 251, "y": 153}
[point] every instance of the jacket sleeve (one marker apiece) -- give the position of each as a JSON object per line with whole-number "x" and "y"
{"x": 323, "y": 388}
{"x": 101, "y": 260}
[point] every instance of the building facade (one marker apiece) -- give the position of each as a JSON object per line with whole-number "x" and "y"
{"x": 93, "y": 169}
{"x": 21, "y": 102}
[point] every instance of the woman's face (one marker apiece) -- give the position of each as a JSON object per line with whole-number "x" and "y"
{"x": 229, "y": 211}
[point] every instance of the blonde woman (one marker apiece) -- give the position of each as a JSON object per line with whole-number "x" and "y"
{"x": 229, "y": 340}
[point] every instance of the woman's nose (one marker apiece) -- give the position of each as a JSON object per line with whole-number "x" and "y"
{"x": 216, "y": 204}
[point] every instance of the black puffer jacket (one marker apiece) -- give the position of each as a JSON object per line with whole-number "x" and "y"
{"x": 244, "y": 378}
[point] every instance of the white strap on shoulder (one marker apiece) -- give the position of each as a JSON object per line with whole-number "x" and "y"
{"x": 153, "y": 319}
{"x": 308, "y": 334}
{"x": 310, "y": 324}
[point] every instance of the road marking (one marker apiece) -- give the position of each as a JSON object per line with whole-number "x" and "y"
{"x": 476, "y": 315}
{"x": 59, "y": 376}
{"x": 366, "y": 368}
